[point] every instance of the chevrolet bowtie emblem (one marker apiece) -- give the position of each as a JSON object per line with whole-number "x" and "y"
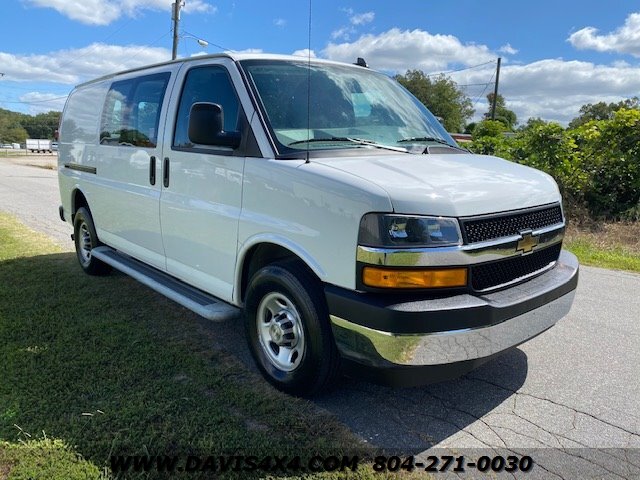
{"x": 527, "y": 243}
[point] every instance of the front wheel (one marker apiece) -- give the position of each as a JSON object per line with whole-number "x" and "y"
{"x": 287, "y": 326}
{"x": 86, "y": 239}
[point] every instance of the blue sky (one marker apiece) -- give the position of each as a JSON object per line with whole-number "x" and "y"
{"x": 557, "y": 55}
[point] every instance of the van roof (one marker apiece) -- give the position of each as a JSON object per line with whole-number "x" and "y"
{"x": 235, "y": 56}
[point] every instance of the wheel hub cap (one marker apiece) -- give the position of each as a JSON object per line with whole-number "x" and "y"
{"x": 85, "y": 243}
{"x": 280, "y": 331}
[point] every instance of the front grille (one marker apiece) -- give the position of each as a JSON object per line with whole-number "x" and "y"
{"x": 492, "y": 274}
{"x": 490, "y": 228}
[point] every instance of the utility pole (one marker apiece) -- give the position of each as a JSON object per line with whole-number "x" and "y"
{"x": 495, "y": 91}
{"x": 175, "y": 8}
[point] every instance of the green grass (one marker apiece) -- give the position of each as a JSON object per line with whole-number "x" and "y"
{"x": 7, "y": 152}
{"x": 614, "y": 245}
{"x": 614, "y": 257}
{"x": 45, "y": 458}
{"x": 109, "y": 367}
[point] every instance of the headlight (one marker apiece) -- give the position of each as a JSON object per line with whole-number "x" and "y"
{"x": 408, "y": 231}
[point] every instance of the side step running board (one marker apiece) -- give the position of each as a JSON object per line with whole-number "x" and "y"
{"x": 195, "y": 300}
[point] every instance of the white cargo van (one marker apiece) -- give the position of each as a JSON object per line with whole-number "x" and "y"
{"x": 323, "y": 202}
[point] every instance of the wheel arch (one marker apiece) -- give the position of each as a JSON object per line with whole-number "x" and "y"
{"x": 78, "y": 200}
{"x": 267, "y": 250}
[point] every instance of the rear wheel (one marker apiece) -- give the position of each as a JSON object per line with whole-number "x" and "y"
{"x": 86, "y": 239}
{"x": 287, "y": 326}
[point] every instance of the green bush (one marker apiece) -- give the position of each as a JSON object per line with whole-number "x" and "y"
{"x": 548, "y": 147}
{"x": 610, "y": 156}
{"x": 488, "y": 139}
{"x": 499, "y": 146}
{"x": 596, "y": 165}
{"x": 488, "y": 128}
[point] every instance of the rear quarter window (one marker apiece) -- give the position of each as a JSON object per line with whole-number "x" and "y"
{"x": 80, "y": 122}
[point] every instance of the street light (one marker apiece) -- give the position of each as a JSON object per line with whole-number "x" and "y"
{"x": 201, "y": 42}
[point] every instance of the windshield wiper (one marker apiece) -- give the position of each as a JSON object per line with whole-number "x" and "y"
{"x": 430, "y": 139}
{"x": 358, "y": 141}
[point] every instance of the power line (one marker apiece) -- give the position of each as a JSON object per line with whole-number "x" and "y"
{"x": 460, "y": 69}
{"x": 34, "y": 102}
{"x": 95, "y": 45}
{"x": 475, "y": 84}
{"x": 139, "y": 50}
{"x": 5, "y": 85}
{"x": 210, "y": 43}
{"x": 484, "y": 90}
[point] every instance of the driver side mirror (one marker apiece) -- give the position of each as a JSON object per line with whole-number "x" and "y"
{"x": 206, "y": 123}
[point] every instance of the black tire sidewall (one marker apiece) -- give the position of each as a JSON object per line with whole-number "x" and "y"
{"x": 309, "y": 376}
{"x": 93, "y": 266}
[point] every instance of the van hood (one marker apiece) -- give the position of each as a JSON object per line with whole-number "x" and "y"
{"x": 451, "y": 184}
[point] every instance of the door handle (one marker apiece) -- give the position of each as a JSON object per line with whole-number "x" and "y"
{"x": 165, "y": 175}
{"x": 152, "y": 170}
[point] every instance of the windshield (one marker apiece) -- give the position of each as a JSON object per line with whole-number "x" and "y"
{"x": 350, "y": 107}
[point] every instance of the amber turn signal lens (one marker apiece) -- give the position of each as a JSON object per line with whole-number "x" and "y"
{"x": 424, "y": 278}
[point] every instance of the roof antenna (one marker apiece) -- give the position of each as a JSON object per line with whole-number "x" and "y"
{"x": 309, "y": 84}
{"x": 361, "y": 62}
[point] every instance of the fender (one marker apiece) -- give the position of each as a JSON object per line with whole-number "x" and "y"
{"x": 274, "y": 239}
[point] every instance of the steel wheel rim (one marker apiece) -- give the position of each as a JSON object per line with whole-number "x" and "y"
{"x": 85, "y": 243}
{"x": 280, "y": 331}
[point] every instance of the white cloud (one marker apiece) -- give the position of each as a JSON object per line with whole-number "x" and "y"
{"x": 620, "y": 64}
{"x": 305, "y": 52}
{"x": 246, "y": 50}
{"x": 39, "y": 102}
{"x": 76, "y": 65}
{"x": 625, "y": 39}
{"x": 508, "y": 49}
{"x": 280, "y": 22}
{"x": 362, "y": 18}
{"x": 194, "y": 6}
{"x": 553, "y": 89}
{"x": 103, "y": 12}
{"x": 398, "y": 50}
{"x": 343, "y": 33}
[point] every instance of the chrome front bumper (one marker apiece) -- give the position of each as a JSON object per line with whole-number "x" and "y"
{"x": 458, "y": 345}
{"x": 480, "y": 326}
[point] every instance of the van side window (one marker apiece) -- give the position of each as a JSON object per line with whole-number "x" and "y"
{"x": 206, "y": 84}
{"x": 132, "y": 111}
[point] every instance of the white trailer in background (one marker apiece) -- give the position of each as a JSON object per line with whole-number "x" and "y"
{"x": 39, "y": 145}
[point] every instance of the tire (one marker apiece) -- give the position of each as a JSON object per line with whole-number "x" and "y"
{"x": 86, "y": 239}
{"x": 287, "y": 326}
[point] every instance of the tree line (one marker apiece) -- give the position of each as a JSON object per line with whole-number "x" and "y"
{"x": 16, "y": 127}
{"x": 442, "y": 96}
{"x": 595, "y": 160}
